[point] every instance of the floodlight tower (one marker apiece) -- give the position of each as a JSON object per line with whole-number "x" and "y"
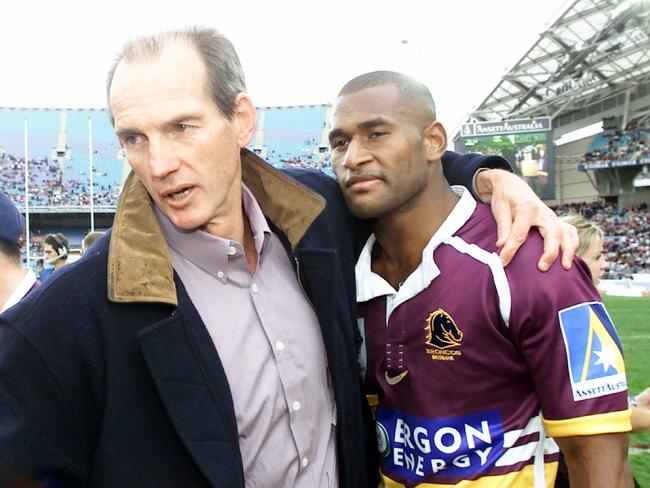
{"x": 322, "y": 149}
{"x": 60, "y": 153}
{"x": 258, "y": 141}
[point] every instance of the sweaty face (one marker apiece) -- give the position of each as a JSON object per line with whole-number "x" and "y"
{"x": 595, "y": 259}
{"x": 379, "y": 153}
{"x": 180, "y": 146}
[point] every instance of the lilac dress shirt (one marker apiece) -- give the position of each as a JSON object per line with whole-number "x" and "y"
{"x": 269, "y": 341}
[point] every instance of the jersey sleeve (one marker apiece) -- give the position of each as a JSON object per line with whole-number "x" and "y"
{"x": 571, "y": 347}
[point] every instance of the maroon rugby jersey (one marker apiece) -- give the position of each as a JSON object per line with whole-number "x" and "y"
{"x": 475, "y": 364}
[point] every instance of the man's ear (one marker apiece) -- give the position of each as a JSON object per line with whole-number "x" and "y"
{"x": 435, "y": 139}
{"x": 244, "y": 116}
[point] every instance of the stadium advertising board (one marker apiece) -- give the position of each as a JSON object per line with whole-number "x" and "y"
{"x": 527, "y": 144}
{"x": 613, "y": 164}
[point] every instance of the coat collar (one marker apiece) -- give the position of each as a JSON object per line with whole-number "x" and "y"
{"x": 139, "y": 263}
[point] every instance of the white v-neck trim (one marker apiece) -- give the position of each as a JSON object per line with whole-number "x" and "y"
{"x": 370, "y": 285}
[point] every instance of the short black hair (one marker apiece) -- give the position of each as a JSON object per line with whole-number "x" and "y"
{"x": 410, "y": 89}
{"x": 11, "y": 250}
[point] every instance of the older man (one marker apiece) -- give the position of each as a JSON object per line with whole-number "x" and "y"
{"x": 211, "y": 339}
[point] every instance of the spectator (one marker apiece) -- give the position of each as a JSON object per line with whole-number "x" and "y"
{"x": 591, "y": 252}
{"x": 15, "y": 281}
{"x": 88, "y": 241}
{"x": 591, "y": 245}
{"x": 55, "y": 251}
{"x": 626, "y": 239}
{"x": 617, "y": 145}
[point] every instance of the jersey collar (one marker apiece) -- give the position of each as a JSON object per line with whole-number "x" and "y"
{"x": 370, "y": 285}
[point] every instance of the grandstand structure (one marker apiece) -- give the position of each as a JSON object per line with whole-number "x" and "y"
{"x": 573, "y": 118}
{"x": 590, "y": 66}
{"x": 70, "y": 151}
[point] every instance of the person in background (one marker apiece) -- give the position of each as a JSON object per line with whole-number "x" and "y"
{"x": 88, "y": 240}
{"x": 591, "y": 251}
{"x": 15, "y": 281}
{"x": 641, "y": 411}
{"x": 56, "y": 249}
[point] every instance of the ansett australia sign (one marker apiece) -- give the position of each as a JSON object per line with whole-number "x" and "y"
{"x": 514, "y": 126}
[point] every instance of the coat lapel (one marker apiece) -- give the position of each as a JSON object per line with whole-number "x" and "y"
{"x": 318, "y": 270}
{"x": 193, "y": 387}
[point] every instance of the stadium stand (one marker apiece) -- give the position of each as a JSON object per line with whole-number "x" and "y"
{"x": 590, "y": 65}
{"x": 59, "y": 146}
{"x": 589, "y": 75}
{"x": 61, "y": 143}
{"x": 589, "y": 68}
{"x": 629, "y": 146}
{"x": 627, "y": 235}
{"x": 293, "y": 136}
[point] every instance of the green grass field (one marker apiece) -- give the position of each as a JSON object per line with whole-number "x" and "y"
{"x": 632, "y": 319}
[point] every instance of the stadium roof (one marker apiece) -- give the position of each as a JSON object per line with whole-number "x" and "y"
{"x": 594, "y": 50}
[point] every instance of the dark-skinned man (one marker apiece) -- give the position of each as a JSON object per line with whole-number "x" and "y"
{"x": 470, "y": 365}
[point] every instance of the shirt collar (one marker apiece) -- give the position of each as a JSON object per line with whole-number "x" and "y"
{"x": 209, "y": 252}
{"x": 21, "y": 290}
{"x": 370, "y": 285}
{"x": 259, "y": 226}
{"x": 138, "y": 248}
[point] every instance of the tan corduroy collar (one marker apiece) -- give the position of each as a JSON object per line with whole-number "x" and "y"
{"x": 139, "y": 264}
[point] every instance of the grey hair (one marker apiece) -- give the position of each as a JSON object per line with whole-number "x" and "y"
{"x": 224, "y": 72}
{"x": 410, "y": 89}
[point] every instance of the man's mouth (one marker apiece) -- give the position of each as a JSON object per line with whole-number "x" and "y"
{"x": 361, "y": 180}
{"x": 178, "y": 194}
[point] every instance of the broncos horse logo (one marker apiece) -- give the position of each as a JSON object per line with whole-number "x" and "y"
{"x": 442, "y": 331}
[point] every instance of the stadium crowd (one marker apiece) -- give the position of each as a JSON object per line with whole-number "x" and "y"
{"x": 49, "y": 186}
{"x": 616, "y": 145}
{"x": 627, "y": 231}
{"x": 627, "y": 235}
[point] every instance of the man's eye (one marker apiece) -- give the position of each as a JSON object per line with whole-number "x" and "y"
{"x": 376, "y": 134}
{"x": 182, "y": 127}
{"x": 131, "y": 140}
{"x": 338, "y": 144}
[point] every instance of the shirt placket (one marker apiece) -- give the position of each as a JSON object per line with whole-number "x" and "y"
{"x": 292, "y": 377}
{"x": 396, "y": 367}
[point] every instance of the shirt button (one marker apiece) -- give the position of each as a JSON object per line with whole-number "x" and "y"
{"x": 296, "y": 406}
{"x": 232, "y": 250}
{"x": 305, "y": 462}
{"x": 279, "y": 346}
{"x": 255, "y": 288}
{"x": 219, "y": 274}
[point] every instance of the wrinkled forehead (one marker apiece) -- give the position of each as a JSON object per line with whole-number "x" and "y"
{"x": 175, "y": 66}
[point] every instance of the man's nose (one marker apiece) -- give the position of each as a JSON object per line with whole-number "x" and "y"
{"x": 163, "y": 159}
{"x": 356, "y": 155}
